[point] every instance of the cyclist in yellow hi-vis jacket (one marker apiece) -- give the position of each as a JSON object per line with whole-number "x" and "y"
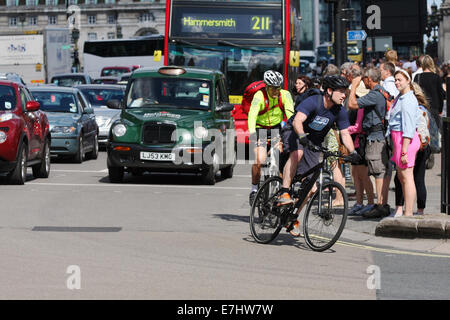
{"x": 267, "y": 111}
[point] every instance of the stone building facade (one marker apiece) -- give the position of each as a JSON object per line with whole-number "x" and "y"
{"x": 96, "y": 19}
{"x": 444, "y": 32}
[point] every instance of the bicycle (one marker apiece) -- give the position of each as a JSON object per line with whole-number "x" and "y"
{"x": 271, "y": 167}
{"x": 267, "y": 219}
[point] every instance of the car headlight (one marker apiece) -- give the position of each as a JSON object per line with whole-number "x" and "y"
{"x": 200, "y": 132}
{"x": 64, "y": 129}
{"x": 6, "y": 117}
{"x": 2, "y": 136}
{"x": 119, "y": 130}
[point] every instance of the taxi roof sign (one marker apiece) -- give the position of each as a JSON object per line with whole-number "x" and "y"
{"x": 172, "y": 71}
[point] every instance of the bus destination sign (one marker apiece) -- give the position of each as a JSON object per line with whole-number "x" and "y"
{"x": 215, "y": 23}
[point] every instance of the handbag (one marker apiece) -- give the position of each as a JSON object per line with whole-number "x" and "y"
{"x": 342, "y": 149}
{"x": 435, "y": 135}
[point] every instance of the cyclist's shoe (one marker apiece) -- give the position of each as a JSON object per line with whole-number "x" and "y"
{"x": 284, "y": 200}
{"x": 251, "y": 198}
{"x": 295, "y": 230}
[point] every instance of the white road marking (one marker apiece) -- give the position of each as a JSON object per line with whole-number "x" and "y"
{"x": 131, "y": 185}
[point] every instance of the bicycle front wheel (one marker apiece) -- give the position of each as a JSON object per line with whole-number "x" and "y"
{"x": 265, "y": 215}
{"x": 323, "y": 223}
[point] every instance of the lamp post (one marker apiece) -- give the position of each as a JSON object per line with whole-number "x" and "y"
{"x": 432, "y": 28}
{"x": 76, "y": 61}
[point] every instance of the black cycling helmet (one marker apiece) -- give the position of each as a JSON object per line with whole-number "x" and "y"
{"x": 334, "y": 82}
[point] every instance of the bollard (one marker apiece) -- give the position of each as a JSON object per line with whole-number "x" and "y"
{"x": 445, "y": 156}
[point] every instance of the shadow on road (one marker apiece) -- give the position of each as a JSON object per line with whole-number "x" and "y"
{"x": 162, "y": 178}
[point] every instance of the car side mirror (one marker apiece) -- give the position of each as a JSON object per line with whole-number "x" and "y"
{"x": 224, "y": 107}
{"x": 32, "y": 106}
{"x": 114, "y": 104}
{"x": 88, "y": 110}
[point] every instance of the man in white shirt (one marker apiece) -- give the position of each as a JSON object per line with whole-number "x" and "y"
{"x": 387, "y": 75}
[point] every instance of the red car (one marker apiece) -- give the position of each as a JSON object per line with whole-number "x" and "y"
{"x": 24, "y": 134}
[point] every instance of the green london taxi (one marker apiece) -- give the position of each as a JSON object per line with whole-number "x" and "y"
{"x": 173, "y": 119}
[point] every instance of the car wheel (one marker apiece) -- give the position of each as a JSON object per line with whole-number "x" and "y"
{"x": 80, "y": 153}
{"x": 116, "y": 174}
{"x": 94, "y": 153}
{"x": 42, "y": 170}
{"x": 19, "y": 174}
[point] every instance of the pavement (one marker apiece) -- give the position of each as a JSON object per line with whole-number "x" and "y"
{"x": 431, "y": 225}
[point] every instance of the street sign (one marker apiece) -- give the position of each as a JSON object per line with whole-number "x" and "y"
{"x": 356, "y": 35}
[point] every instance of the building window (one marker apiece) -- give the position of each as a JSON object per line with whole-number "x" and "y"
{"x": 32, "y": 21}
{"x": 111, "y": 35}
{"x": 12, "y": 3}
{"x": 51, "y": 2}
{"x": 52, "y": 20}
{"x": 12, "y": 21}
{"x": 71, "y": 2}
{"x": 31, "y": 3}
{"x": 111, "y": 19}
{"x": 146, "y": 16}
{"x": 92, "y": 36}
{"x": 91, "y": 1}
{"x": 147, "y": 0}
{"x": 110, "y": 1}
{"x": 92, "y": 19}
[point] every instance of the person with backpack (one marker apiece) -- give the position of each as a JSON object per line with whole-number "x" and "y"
{"x": 376, "y": 149}
{"x": 406, "y": 143}
{"x": 315, "y": 116}
{"x": 269, "y": 106}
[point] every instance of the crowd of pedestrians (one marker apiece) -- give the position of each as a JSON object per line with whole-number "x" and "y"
{"x": 385, "y": 101}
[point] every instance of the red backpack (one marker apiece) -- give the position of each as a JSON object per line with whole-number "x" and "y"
{"x": 250, "y": 91}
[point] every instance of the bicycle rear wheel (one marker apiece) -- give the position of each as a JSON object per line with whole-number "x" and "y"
{"x": 323, "y": 228}
{"x": 265, "y": 215}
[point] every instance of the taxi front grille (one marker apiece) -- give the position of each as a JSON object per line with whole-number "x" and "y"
{"x": 155, "y": 133}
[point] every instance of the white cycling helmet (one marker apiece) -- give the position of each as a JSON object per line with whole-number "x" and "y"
{"x": 273, "y": 78}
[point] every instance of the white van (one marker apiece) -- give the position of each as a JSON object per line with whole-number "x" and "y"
{"x": 310, "y": 56}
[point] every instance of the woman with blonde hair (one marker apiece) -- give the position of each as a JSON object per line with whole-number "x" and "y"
{"x": 420, "y": 164}
{"x": 405, "y": 139}
{"x": 431, "y": 84}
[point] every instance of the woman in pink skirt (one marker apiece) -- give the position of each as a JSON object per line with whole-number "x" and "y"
{"x": 405, "y": 139}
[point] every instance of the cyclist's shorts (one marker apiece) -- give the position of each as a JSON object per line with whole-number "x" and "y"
{"x": 291, "y": 143}
{"x": 263, "y": 135}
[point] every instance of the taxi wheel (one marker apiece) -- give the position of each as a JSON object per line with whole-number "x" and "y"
{"x": 209, "y": 176}
{"x": 116, "y": 174}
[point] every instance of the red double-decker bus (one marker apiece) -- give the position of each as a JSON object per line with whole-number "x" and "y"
{"x": 243, "y": 39}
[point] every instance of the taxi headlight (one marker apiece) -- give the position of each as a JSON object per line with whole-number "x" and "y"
{"x": 200, "y": 132}
{"x": 119, "y": 130}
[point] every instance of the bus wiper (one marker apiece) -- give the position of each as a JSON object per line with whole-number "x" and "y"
{"x": 232, "y": 44}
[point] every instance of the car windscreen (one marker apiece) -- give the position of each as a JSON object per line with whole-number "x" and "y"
{"x": 56, "y": 101}
{"x": 69, "y": 81}
{"x": 99, "y": 97}
{"x": 181, "y": 93}
{"x": 7, "y": 98}
{"x": 114, "y": 72}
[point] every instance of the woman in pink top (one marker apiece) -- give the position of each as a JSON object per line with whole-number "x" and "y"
{"x": 360, "y": 171}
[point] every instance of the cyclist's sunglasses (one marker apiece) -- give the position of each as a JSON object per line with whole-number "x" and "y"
{"x": 273, "y": 88}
